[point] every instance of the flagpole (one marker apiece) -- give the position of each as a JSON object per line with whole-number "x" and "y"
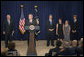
{"x": 22, "y": 20}
{"x": 36, "y": 12}
{"x": 37, "y": 19}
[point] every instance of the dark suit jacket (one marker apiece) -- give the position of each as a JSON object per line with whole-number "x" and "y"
{"x": 50, "y": 26}
{"x": 75, "y": 26}
{"x": 27, "y": 23}
{"x": 73, "y": 50}
{"x": 56, "y": 49}
{"x": 80, "y": 51}
{"x": 8, "y": 28}
{"x": 65, "y": 52}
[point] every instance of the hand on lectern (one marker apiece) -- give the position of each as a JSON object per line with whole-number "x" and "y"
{"x": 12, "y": 33}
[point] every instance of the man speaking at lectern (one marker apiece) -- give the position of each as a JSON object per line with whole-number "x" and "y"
{"x": 29, "y": 22}
{"x": 30, "y": 26}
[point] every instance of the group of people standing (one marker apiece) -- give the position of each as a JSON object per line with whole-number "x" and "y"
{"x": 62, "y": 31}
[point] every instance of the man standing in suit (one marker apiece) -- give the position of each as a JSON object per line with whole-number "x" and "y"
{"x": 75, "y": 28}
{"x": 50, "y": 30}
{"x": 8, "y": 29}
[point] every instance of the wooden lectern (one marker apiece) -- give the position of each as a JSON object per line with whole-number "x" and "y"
{"x": 32, "y": 47}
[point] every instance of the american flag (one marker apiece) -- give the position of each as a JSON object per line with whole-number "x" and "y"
{"x": 22, "y": 22}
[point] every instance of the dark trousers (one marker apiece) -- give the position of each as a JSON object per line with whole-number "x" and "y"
{"x": 48, "y": 42}
{"x": 8, "y": 37}
{"x": 75, "y": 36}
{"x": 50, "y": 38}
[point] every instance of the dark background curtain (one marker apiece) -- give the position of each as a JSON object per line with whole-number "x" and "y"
{"x": 59, "y": 9}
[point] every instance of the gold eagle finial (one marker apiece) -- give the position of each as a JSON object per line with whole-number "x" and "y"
{"x": 21, "y": 6}
{"x": 35, "y": 6}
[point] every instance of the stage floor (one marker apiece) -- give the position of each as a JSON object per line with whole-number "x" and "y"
{"x": 41, "y": 47}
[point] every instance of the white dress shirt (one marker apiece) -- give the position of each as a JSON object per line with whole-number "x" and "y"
{"x": 30, "y": 21}
{"x": 8, "y": 22}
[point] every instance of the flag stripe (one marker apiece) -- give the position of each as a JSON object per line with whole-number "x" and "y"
{"x": 21, "y": 25}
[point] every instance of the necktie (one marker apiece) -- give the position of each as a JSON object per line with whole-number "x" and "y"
{"x": 50, "y": 22}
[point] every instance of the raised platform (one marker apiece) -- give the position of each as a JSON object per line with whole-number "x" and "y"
{"x": 22, "y": 47}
